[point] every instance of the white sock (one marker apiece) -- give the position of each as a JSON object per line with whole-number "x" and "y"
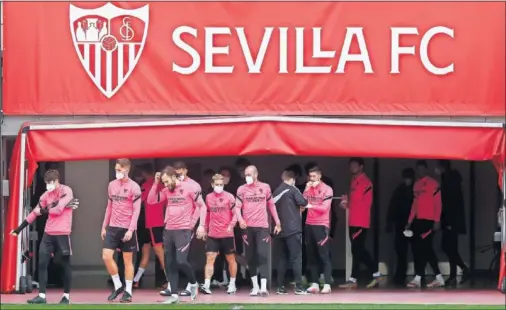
{"x": 66, "y": 295}
{"x": 440, "y": 278}
{"x": 207, "y": 283}
{"x": 117, "y": 281}
{"x": 326, "y": 286}
{"x": 417, "y": 278}
{"x": 42, "y": 295}
{"x": 254, "y": 281}
{"x": 188, "y": 287}
{"x": 232, "y": 281}
{"x": 263, "y": 284}
{"x": 128, "y": 288}
{"x": 139, "y": 274}
{"x": 225, "y": 277}
{"x": 376, "y": 274}
{"x": 322, "y": 276}
{"x": 353, "y": 280}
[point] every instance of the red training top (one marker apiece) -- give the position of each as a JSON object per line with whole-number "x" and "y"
{"x": 154, "y": 212}
{"x": 427, "y": 202}
{"x": 360, "y": 201}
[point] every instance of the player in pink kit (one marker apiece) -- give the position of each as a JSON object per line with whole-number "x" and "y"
{"x": 118, "y": 229}
{"x": 184, "y": 207}
{"x": 54, "y": 203}
{"x": 220, "y": 221}
{"x": 182, "y": 175}
{"x": 252, "y": 201}
{"x": 152, "y": 235}
{"x": 319, "y": 196}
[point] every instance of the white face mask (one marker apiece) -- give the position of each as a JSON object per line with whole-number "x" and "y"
{"x": 50, "y": 187}
{"x": 218, "y": 189}
{"x": 249, "y": 180}
{"x": 181, "y": 178}
{"x": 119, "y": 175}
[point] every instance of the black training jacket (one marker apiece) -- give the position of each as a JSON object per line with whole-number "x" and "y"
{"x": 288, "y": 201}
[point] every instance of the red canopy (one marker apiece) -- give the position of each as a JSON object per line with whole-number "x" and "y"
{"x": 242, "y": 136}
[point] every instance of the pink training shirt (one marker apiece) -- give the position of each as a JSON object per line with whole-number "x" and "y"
{"x": 181, "y": 205}
{"x": 320, "y": 198}
{"x": 154, "y": 212}
{"x": 124, "y": 205}
{"x": 59, "y": 221}
{"x": 253, "y": 201}
{"x": 221, "y": 216}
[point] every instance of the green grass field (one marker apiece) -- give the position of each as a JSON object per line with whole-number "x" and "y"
{"x": 249, "y": 306}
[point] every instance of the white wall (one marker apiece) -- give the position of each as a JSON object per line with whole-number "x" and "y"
{"x": 89, "y": 180}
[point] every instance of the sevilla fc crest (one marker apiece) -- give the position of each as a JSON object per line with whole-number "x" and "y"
{"x": 109, "y": 41}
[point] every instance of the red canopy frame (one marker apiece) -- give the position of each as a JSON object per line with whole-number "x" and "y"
{"x": 263, "y": 135}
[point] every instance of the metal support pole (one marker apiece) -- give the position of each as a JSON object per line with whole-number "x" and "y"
{"x": 22, "y": 161}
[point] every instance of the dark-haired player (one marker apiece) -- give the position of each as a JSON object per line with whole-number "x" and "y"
{"x": 55, "y": 204}
{"x": 184, "y": 207}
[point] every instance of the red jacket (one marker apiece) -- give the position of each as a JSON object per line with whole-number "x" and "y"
{"x": 360, "y": 202}
{"x": 427, "y": 202}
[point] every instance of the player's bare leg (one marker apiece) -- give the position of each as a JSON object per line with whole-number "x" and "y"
{"x": 129, "y": 276}
{"x": 209, "y": 271}
{"x": 146, "y": 252}
{"x": 232, "y": 269}
{"x": 112, "y": 268}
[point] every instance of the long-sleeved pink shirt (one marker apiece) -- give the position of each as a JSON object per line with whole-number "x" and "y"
{"x": 154, "y": 212}
{"x": 59, "y": 220}
{"x": 124, "y": 205}
{"x": 320, "y": 198}
{"x": 427, "y": 202}
{"x": 184, "y": 205}
{"x": 360, "y": 203}
{"x": 253, "y": 200}
{"x": 221, "y": 216}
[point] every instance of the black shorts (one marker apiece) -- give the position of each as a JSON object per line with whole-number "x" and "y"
{"x": 221, "y": 245}
{"x": 153, "y": 236}
{"x": 52, "y": 244}
{"x": 114, "y": 240}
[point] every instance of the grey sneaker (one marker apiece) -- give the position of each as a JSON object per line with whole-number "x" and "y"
{"x": 194, "y": 291}
{"x": 171, "y": 300}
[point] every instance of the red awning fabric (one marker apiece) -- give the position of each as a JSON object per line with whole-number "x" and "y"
{"x": 242, "y": 136}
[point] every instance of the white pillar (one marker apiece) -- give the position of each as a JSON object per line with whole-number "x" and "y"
{"x": 21, "y": 208}
{"x": 349, "y": 257}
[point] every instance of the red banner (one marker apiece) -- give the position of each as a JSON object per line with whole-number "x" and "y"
{"x": 189, "y": 58}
